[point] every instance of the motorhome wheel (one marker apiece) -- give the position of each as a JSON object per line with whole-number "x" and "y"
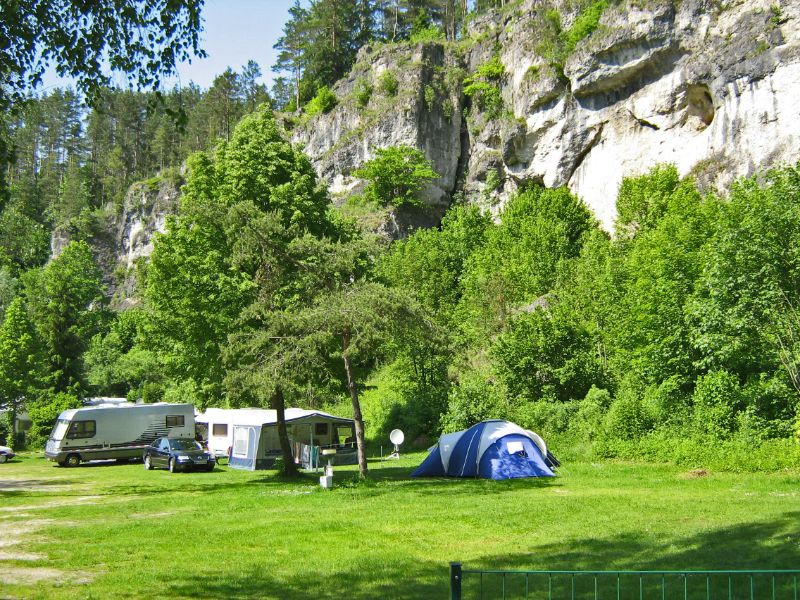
{"x": 73, "y": 460}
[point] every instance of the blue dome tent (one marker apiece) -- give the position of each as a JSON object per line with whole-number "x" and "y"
{"x": 492, "y": 450}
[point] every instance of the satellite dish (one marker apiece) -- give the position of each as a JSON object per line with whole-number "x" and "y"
{"x": 396, "y": 437}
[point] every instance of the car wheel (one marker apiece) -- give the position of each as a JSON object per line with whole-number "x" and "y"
{"x": 3, "y": 458}
{"x": 147, "y": 464}
{"x": 210, "y": 468}
{"x": 73, "y": 460}
{"x": 173, "y": 467}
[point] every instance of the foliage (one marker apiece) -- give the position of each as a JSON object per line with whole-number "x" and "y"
{"x": 21, "y": 365}
{"x": 89, "y": 43}
{"x": 475, "y": 398}
{"x": 363, "y": 92}
{"x": 584, "y": 25}
{"x": 540, "y": 230}
{"x": 387, "y": 83}
{"x": 483, "y": 87}
{"x": 547, "y": 355}
{"x": 44, "y": 411}
{"x": 323, "y": 102}
{"x": 643, "y": 201}
{"x": 67, "y": 304}
{"x": 396, "y": 175}
{"x": 431, "y": 33}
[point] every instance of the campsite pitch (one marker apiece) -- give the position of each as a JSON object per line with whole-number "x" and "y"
{"x": 120, "y": 531}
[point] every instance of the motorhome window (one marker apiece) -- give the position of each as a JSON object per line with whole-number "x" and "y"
{"x": 60, "y": 429}
{"x": 220, "y": 429}
{"x": 81, "y": 429}
{"x": 174, "y": 420}
{"x": 320, "y": 429}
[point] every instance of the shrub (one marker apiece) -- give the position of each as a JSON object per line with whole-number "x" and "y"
{"x": 44, "y": 412}
{"x": 591, "y": 410}
{"x": 431, "y": 33}
{"x": 396, "y": 175}
{"x": 363, "y": 92}
{"x": 483, "y": 87}
{"x": 717, "y": 398}
{"x": 430, "y": 97}
{"x": 626, "y": 418}
{"x": 323, "y": 102}
{"x": 474, "y": 399}
{"x": 387, "y": 83}
{"x": 666, "y": 403}
{"x": 546, "y": 417}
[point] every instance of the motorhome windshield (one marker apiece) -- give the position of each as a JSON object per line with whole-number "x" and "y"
{"x": 59, "y": 430}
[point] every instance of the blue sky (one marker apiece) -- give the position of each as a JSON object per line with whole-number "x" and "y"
{"x": 235, "y": 31}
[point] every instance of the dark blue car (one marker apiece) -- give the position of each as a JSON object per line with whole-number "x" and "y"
{"x": 178, "y": 455}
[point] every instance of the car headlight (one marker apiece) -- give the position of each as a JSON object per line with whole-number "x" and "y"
{"x": 183, "y": 457}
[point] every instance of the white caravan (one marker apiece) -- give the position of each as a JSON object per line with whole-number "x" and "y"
{"x": 217, "y": 427}
{"x": 116, "y": 431}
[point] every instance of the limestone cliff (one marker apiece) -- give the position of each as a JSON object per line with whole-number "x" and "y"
{"x": 708, "y": 85}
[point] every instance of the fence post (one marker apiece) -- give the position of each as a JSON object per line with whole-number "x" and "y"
{"x": 455, "y": 581}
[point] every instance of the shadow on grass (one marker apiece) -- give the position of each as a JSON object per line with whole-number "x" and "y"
{"x": 767, "y": 545}
{"x": 30, "y": 488}
{"x": 400, "y": 580}
{"x": 379, "y": 482}
{"x": 763, "y": 545}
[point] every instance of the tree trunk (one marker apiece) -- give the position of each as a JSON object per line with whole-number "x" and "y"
{"x": 351, "y": 386}
{"x": 289, "y": 468}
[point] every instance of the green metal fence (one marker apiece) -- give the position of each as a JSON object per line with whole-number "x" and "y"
{"x": 623, "y": 585}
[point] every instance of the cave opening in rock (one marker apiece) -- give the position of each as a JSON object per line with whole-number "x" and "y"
{"x": 700, "y": 103}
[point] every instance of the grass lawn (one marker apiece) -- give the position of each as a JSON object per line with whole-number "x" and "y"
{"x": 118, "y": 531}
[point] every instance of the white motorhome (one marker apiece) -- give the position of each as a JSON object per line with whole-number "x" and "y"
{"x": 115, "y": 431}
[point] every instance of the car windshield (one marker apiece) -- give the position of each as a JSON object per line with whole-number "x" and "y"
{"x": 59, "y": 430}
{"x": 184, "y": 445}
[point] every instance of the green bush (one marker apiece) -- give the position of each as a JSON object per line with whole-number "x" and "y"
{"x": 387, "y": 83}
{"x": 323, "y": 102}
{"x": 363, "y": 92}
{"x": 588, "y": 421}
{"x": 396, "y": 175}
{"x": 717, "y": 398}
{"x": 736, "y": 455}
{"x": 797, "y": 426}
{"x": 430, "y": 96}
{"x": 474, "y": 399}
{"x": 483, "y": 87}
{"x": 626, "y": 418}
{"x": 585, "y": 24}
{"x": 43, "y": 413}
{"x": 546, "y": 417}
{"x": 431, "y": 33}
{"x": 667, "y": 403}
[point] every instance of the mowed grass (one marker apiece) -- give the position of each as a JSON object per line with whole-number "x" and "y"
{"x": 118, "y": 531}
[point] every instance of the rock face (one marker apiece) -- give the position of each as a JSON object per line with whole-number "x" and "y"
{"x": 709, "y": 85}
{"x": 144, "y": 213}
